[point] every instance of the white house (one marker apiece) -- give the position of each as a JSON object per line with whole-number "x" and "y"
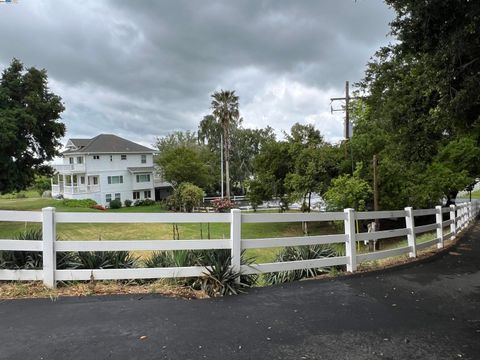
{"x": 107, "y": 167}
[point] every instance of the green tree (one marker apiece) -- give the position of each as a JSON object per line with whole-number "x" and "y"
{"x": 421, "y": 102}
{"x": 30, "y": 130}
{"x": 349, "y": 191}
{"x": 225, "y": 110}
{"x": 183, "y": 159}
{"x": 42, "y": 184}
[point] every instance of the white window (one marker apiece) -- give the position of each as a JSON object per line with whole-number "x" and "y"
{"x": 95, "y": 180}
{"x": 70, "y": 160}
{"x": 108, "y": 198}
{"x": 117, "y": 196}
{"x": 143, "y": 178}
{"x": 144, "y": 159}
{"x": 82, "y": 180}
{"x": 115, "y": 179}
{"x": 96, "y": 157}
{"x": 136, "y": 195}
{"x": 80, "y": 160}
{"x": 147, "y": 194}
{"x": 123, "y": 157}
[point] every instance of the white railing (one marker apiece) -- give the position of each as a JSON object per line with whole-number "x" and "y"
{"x": 459, "y": 217}
{"x": 61, "y": 168}
{"x": 62, "y": 188}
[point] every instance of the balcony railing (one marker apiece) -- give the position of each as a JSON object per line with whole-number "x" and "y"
{"x": 74, "y": 189}
{"x": 68, "y": 168}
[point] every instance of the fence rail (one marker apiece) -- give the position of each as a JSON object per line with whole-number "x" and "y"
{"x": 459, "y": 217}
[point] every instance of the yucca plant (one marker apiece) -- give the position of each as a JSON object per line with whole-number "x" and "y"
{"x": 177, "y": 258}
{"x": 33, "y": 259}
{"x": 106, "y": 260}
{"x": 297, "y": 253}
{"x": 220, "y": 279}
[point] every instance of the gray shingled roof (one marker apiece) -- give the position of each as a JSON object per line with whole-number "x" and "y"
{"x": 107, "y": 143}
{"x": 80, "y": 142}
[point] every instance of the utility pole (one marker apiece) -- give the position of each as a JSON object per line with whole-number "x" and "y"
{"x": 375, "y": 196}
{"x": 346, "y": 98}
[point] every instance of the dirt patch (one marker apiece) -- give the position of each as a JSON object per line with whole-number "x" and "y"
{"x": 36, "y": 289}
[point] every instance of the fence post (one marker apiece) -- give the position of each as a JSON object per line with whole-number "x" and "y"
{"x": 350, "y": 244}
{"x": 411, "y": 237}
{"x": 49, "y": 237}
{"x": 236, "y": 238}
{"x": 439, "y": 221}
{"x": 453, "y": 225}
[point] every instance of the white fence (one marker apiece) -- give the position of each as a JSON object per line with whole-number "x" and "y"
{"x": 459, "y": 217}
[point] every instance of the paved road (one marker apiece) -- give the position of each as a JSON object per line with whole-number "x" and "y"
{"x": 425, "y": 311}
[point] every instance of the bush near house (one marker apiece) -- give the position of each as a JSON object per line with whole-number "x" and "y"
{"x": 145, "y": 202}
{"x": 128, "y": 203}
{"x": 83, "y": 203}
{"x": 115, "y": 204}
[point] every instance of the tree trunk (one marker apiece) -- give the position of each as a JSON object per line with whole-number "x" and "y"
{"x": 227, "y": 162}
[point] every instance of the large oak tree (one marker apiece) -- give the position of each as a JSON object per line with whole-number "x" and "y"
{"x": 30, "y": 127}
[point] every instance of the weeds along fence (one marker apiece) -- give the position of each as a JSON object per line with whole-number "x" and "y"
{"x": 459, "y": 216}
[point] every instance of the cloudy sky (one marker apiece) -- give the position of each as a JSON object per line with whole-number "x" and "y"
{"x": 142, "y": 69}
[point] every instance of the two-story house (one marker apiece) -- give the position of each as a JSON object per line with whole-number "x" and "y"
{"x": 104, "y": 168}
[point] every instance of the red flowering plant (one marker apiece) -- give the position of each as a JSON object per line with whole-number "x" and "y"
{"x": 222, "y": 204}
{"x": 98, "y": 207}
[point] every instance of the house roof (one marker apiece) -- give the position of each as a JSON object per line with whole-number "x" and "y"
{"x": 79, "y": 143}
{"x": 106, "y": 143}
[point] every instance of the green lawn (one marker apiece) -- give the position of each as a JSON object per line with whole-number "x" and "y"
{"x": 476, "y": 195}
{"x": 149, "y": 231}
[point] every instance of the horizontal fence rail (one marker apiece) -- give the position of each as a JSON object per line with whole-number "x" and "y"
{"x": 459, "y": 216}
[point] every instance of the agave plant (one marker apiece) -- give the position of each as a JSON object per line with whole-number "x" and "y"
{"x": 33, "y": 259}
{"x": 220, "y": 278}
{"x": 297, "y": 253}
{"x": 106, "y": 260}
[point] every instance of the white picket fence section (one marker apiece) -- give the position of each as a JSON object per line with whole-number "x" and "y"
{"x": 459, "y": 217}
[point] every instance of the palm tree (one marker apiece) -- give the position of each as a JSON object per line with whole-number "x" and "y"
{"x": 225, "y": 110}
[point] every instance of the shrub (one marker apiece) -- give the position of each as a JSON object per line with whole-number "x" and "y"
{"x": 145, "y": 202}
{"x": 20, "y": 195}
{"x": 222, "y": 204}
{"x": 188, "y": 196}
{"x": 128, "y": 203}
{"x": 33, "y": 259}
{"x": 115, "y": 204}
{"x": 106, "y": 260}
{"x": 148, "y": 202}
{"x": 41, "y": 184}
{"x": 220, "y": 279}
{"x": 98, "y": 207}
{"x": 83, "y": 203}
{"x": 297, "y": 253}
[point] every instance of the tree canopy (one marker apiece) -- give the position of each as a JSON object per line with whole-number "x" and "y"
{"x": 30, "y": 127}
{"x": 421, "y": 110}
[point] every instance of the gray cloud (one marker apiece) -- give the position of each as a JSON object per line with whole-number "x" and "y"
{"x": 143, "y": 69}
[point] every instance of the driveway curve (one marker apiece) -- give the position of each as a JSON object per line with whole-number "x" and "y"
{"x": 429, "y": 310}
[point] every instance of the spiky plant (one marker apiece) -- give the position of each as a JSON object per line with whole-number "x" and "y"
{"x": 297, "y": 253}
{"x": 33, "y": 259}
{"x": 220, "y": 278}
{"x": 106, "y": 260}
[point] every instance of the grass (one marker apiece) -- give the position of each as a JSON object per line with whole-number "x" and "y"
{"x": 149, "y": 231}
{"x": 476, "y": 194}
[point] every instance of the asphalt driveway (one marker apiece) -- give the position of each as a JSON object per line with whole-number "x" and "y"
{"x": 423, "y": 311}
